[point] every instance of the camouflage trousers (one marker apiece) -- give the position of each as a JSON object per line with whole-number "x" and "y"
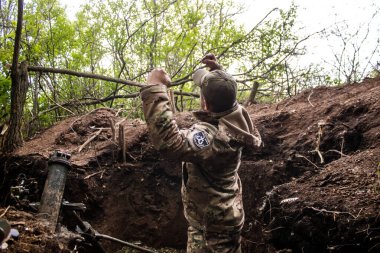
{"x": 200, "y": 242}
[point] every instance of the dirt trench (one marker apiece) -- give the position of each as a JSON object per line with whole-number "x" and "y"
{"x": 313, "y": 187}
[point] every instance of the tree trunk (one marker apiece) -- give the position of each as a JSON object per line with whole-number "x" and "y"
{"x": 19, "y": 76}
{"x": 13, "y": 137}
{"x": 251, "y": 99}
{"x": 34, "y": 124}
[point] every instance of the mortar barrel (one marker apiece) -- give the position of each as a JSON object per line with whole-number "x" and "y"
{"x": 51, "y": 199}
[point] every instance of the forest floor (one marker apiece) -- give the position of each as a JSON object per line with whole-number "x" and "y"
{"x": 313, "y": 187}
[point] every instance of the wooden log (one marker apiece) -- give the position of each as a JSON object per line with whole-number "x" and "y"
{"x": 113, "y": 129}
{"x": 122, "y": 146}
{"x": 172, "y": 102}
{"x": 252, "y": 95}
{"x": 83, "y": 74}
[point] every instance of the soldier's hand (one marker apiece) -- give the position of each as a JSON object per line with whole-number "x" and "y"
{"x": 158, "y": 76}
{"x": 210, "y": 61}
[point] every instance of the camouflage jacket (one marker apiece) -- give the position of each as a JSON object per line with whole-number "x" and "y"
{"x": 211, "y": 155}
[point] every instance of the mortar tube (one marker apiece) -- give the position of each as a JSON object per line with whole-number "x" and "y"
{"x": 51, "y": 199}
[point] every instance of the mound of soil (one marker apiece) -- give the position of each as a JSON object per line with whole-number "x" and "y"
{"x": 313, "y": 187}
{"x": 335, "y": 210}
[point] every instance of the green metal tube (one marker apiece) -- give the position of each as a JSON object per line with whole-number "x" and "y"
{"x": 51, "y": 199}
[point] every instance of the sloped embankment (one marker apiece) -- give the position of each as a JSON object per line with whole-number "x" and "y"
{"x": 321, "y": 154}
{"x": 325, "y": 144}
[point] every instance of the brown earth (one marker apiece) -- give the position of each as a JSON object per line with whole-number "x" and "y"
{"x": 313, "y": 187}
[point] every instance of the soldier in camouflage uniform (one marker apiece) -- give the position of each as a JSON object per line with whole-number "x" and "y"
{"x": 211, "y": 154}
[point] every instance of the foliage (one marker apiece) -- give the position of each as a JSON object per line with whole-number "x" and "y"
{"x": 5, "y": 87}
{"x": 125, "y": 39}
{"x": 7, "y": 31}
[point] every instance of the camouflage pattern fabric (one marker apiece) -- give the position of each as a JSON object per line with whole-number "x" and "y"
{"x": 211, "y": 155}
{"x": 199, "y": 242}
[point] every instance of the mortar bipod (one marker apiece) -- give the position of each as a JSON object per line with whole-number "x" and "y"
{"x": 93, "y": 237}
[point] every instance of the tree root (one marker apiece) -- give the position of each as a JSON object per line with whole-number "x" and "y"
{"x": 334, "y": 213}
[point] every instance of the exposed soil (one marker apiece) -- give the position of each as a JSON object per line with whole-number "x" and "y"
{"x": 313, "y": 187}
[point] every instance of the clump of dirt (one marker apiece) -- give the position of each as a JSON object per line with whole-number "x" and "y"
{"x": 34, "y": 234}
{"x": 313, "y": 187}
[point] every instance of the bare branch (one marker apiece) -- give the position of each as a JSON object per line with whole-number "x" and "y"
{"x": 83, "y": 74}
{"x": 186, "y": 59}
{"x": 236, "y": 42}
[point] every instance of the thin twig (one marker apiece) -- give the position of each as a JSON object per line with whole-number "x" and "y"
{"x": 274, "y": 229}
{"x": 308, "y": 98}
{"x": 361, "y": 209}
{"x": 5, "y": 211}
{"x": 102, "y": 128}
{"x": 89, "y": 140}
{"x": 321, "y": 123}
{"x": 336, "y": 247}
{"x": 257, "y": 243}
{"x": 375, "y": 246}
{"x": 134, "y": 124}
{"x": 17, "y": 223}
{"x": 319, "y": 154}
{"x": 337, "y": 151}
{"x": 94, "y": 174}
{"x": 332, "y": 212}
{"x": 121, "y": 121}
{"x": 118, "y": 111}
{"x": 299, "y": 155}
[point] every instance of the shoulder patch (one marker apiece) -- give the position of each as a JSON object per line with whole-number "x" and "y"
{"x": 200, "y": 139}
